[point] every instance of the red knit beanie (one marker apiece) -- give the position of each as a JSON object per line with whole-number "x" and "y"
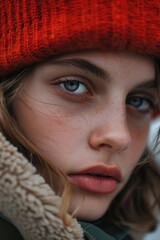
{"x": 31, "y": 30}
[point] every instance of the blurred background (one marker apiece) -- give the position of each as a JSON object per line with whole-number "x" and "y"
{"x": 153, "y": 131}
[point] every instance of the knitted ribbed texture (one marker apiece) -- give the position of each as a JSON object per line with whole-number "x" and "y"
{"x": 31, "y": 30}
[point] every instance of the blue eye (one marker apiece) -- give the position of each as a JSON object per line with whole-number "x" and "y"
{"x": 74, "y": 87}
{"x": 140, "y": 103}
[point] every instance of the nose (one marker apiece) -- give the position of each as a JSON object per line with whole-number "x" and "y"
{"x": 110, "y": 132}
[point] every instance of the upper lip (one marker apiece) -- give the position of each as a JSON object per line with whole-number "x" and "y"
{"x": 105, "y": 171}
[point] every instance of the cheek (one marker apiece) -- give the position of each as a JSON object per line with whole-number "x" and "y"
{"x": 138, "y": 145}
{"x": 139, "y": 137}
{"x": 51, "y": 129}
{"x": 139, "y": 129}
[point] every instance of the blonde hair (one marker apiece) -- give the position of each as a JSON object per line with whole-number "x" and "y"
{"x": 8, "y": 126}
{"x": 141, "y": 194}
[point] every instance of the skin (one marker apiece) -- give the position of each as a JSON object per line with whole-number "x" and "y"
{"x": 104, "y": 123}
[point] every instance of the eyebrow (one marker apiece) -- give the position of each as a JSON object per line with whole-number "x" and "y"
{"x": 148, "y": 84}
{"x": 87, "y": 66}
{"x": 82, "y": 64}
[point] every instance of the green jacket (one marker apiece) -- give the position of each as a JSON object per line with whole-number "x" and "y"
{"x": 8, "y": 231}
{"x": 91, "y": 232}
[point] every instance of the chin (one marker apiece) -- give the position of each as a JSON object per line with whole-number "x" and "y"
{"x": 89, "y": 207}
{"x": 89, "y": 217}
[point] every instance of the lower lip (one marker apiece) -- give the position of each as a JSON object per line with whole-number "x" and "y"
{"x": 102, "y": 185}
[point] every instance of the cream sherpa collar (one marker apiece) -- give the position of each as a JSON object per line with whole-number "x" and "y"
{"x": 28, "y": 201}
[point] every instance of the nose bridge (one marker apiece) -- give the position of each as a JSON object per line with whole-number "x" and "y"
{"x": 111, "y": 128}
{"x": 117, "y": 116}
{"x": 113, "y": 112}
{"x": 114, "y": 118}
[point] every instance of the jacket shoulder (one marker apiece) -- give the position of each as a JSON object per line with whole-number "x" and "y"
{"x": 7, "y": 230}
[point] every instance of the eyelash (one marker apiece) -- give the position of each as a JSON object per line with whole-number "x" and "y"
{"x": 143, "y": 99}
{"x": 73, "y": 80}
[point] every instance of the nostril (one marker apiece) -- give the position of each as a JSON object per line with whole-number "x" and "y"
{"x": 105, "y": 145}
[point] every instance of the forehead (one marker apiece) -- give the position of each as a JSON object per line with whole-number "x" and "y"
{"x": 114, "y": 55}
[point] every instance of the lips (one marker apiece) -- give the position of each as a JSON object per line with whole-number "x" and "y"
{"x": 97, "y": 179}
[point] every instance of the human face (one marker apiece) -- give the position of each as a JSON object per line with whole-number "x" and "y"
{"x": 90, "y": 113}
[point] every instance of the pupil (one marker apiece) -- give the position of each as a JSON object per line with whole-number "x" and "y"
{"x": 136, "y": 101}
{"x": 71, "y": 86}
